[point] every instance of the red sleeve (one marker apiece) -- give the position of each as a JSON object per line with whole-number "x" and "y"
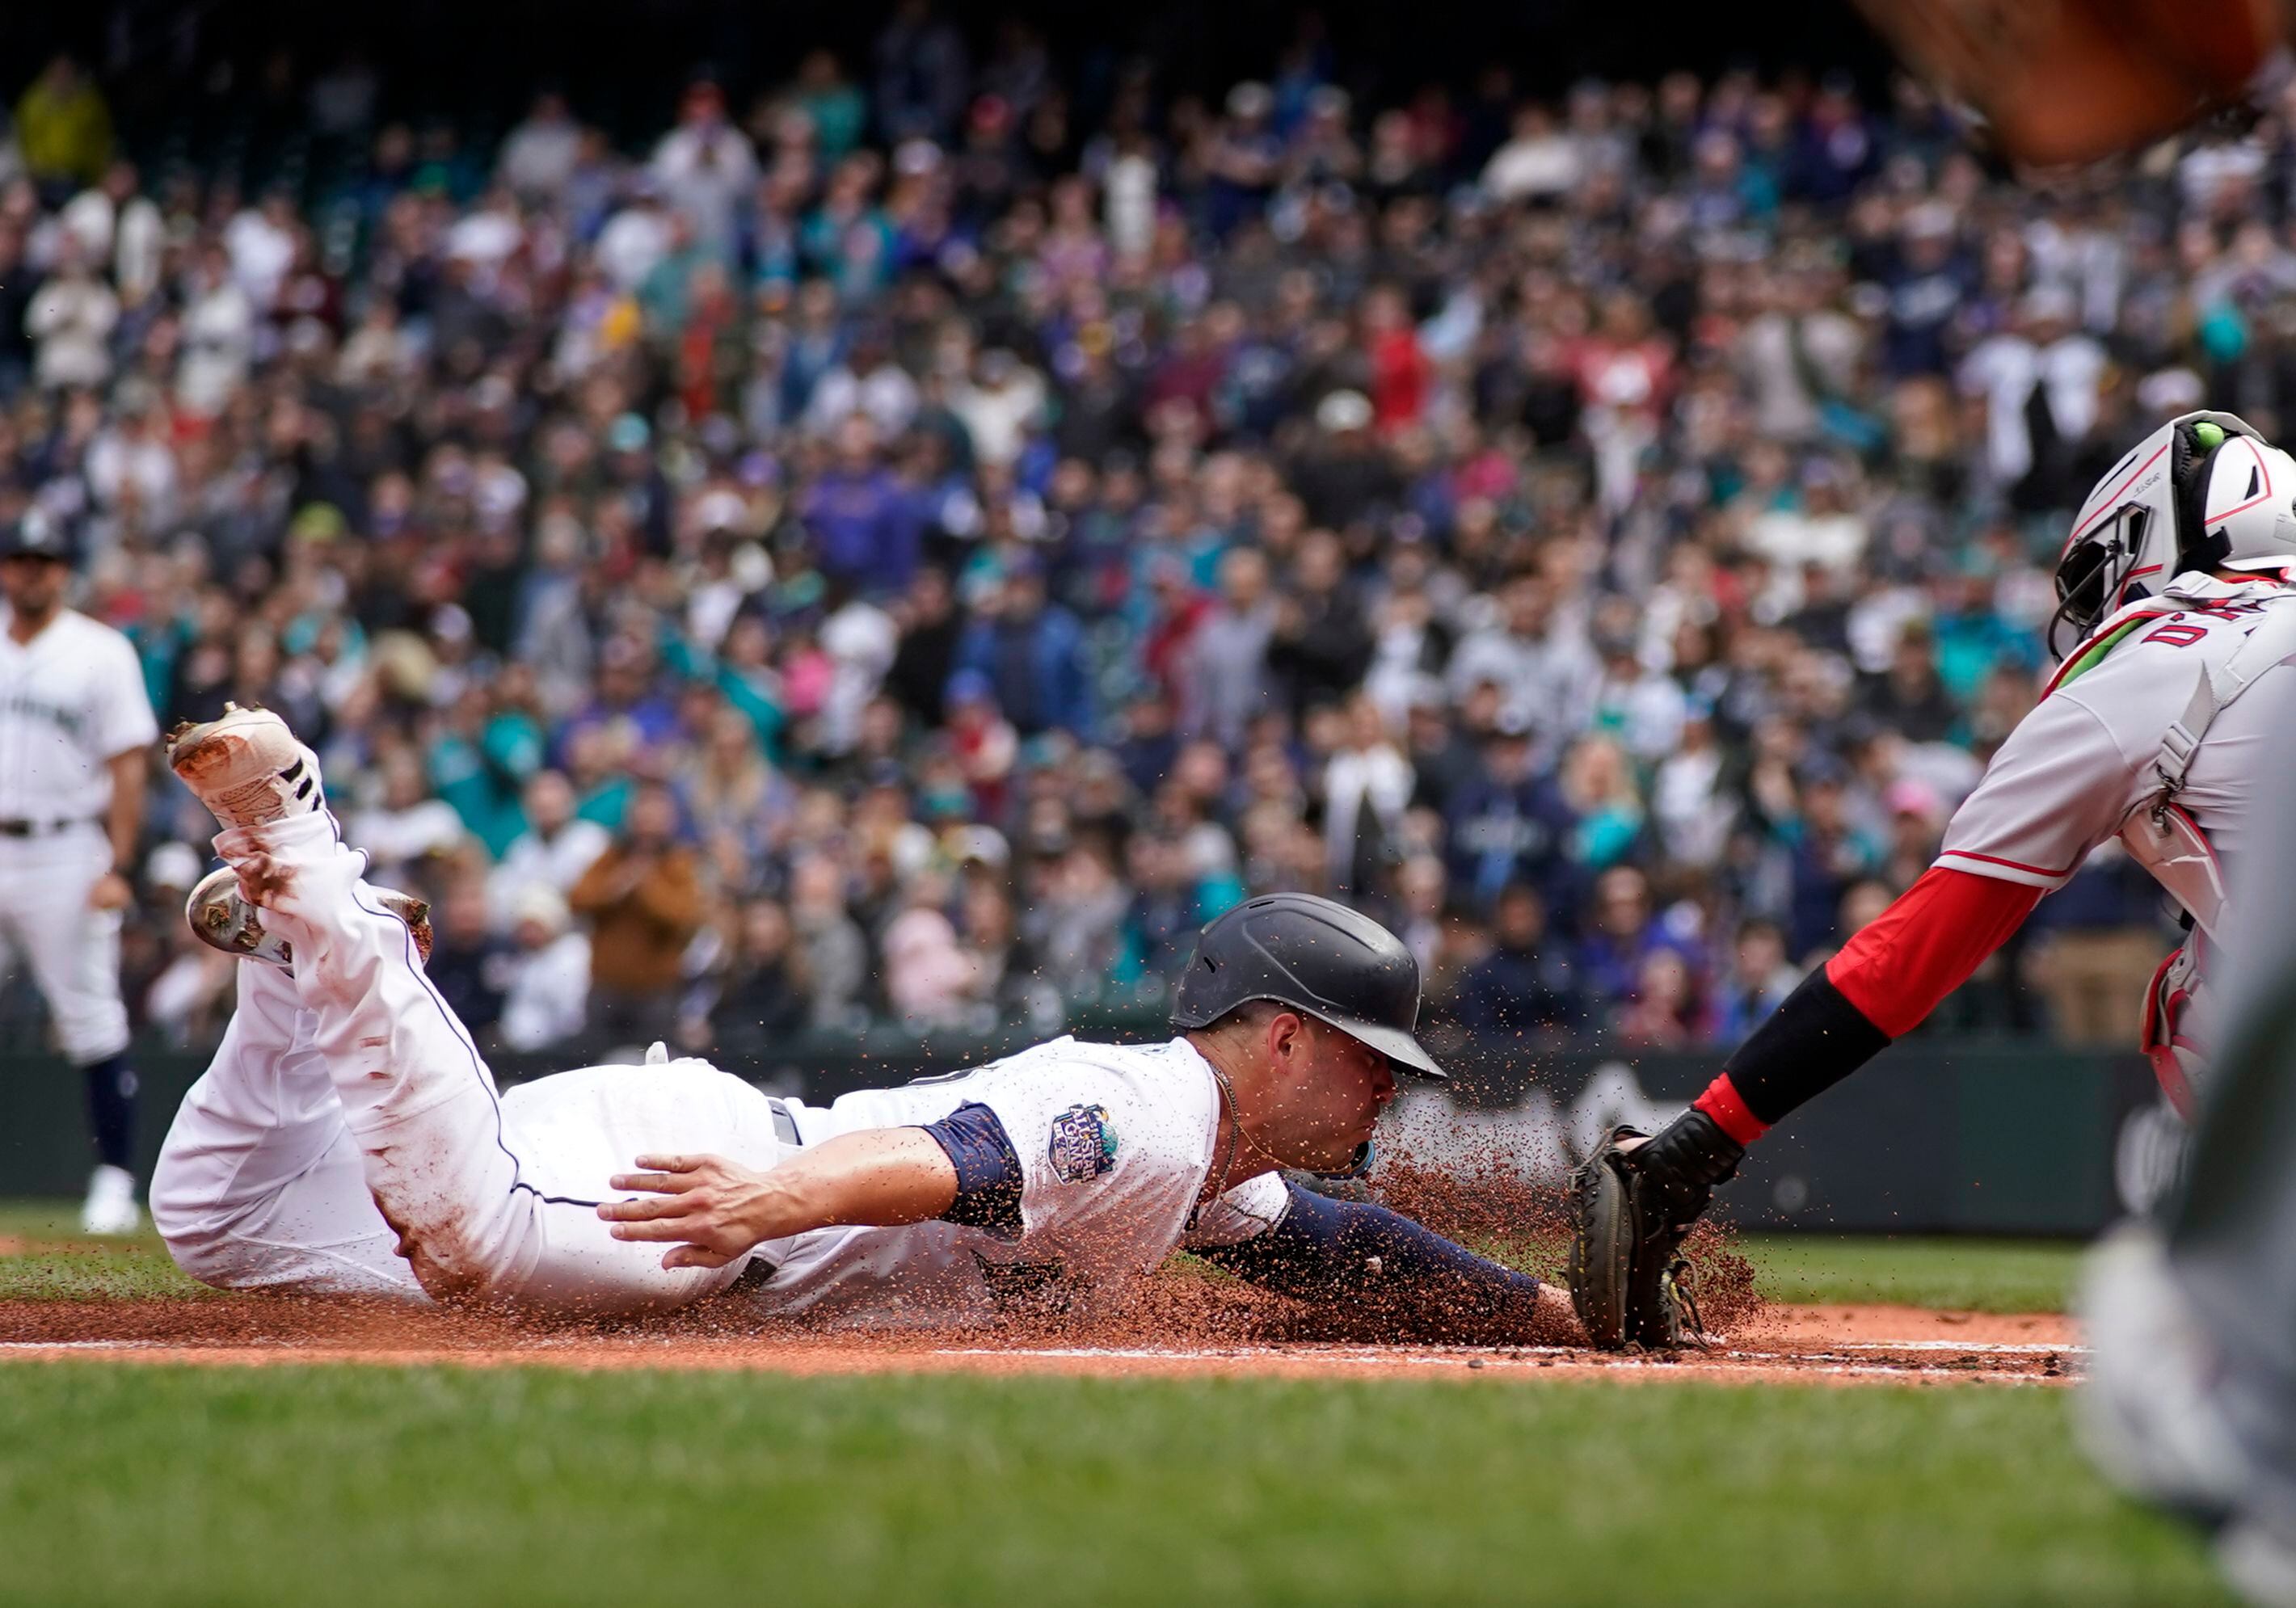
{"x": 1925, "y": 945}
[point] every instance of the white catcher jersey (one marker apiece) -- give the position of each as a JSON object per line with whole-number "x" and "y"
{"x": 1115, "y": 1142}
{"x": 2082, "y": 763}
{"x": 70, "y": 699}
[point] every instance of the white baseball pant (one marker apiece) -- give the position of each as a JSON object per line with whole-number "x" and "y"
{"x": 485, "y": 1197}
{"x": 73, "y": 951}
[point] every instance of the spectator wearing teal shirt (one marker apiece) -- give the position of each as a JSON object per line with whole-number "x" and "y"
{"x": 479, "y": 764}
{"x": 833, "y": 102}
{"x": 1598, "y": 786}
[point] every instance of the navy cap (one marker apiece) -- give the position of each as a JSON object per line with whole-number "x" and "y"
{"x": 36, "y": 534}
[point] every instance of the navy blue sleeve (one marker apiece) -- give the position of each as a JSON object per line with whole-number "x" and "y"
{"x": 988, "y": 1170}
{"x": 1322, "y": 1247}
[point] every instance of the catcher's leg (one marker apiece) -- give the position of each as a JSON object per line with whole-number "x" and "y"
{"x": 1632, "y": 1202}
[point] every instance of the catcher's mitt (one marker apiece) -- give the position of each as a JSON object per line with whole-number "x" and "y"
{"x": 1620, "y": 1283}
{"x": 1630, "y": 1211}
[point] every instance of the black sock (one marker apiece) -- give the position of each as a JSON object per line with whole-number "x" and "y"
{"x": 111, "y": 1109}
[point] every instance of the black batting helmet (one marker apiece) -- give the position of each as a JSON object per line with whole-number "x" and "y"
{"x": 1319, "y": 958}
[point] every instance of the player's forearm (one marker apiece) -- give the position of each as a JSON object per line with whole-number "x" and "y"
{"x": 124, "y": 821}
{"x": 1324, "y": 1249}
{"x": 713, "y": 1210}
{"x": 879, "y": 1178}
{"x": 1881, "y": 986}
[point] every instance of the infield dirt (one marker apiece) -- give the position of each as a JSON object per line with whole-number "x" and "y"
{"x": 1203, "y": 1330}
{"x": 1183, "y": 1321}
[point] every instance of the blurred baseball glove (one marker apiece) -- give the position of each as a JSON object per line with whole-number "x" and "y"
{"x": 2062, "y": 81}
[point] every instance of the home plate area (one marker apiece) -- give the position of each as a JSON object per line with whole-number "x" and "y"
{"x": 1833, "y": 1344}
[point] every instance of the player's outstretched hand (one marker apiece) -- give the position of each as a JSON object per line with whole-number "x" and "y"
{"x": 111, "y": 892}
{"x": 713, "y": 1211}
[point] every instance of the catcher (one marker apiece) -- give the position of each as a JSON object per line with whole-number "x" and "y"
{"x": 2175, "y": 584}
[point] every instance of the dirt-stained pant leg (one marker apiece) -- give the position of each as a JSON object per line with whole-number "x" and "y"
{"x": 259, "y": 1185}
{"x": 422, "y": 1106}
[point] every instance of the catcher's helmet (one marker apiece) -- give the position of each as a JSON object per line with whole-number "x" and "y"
{"x": 1320, "y": 958}
{"x": 2203, "y": 492}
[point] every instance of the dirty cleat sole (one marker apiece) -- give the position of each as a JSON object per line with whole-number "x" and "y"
{"x": 246, "y": 767}
{"x": 221, "y": 917}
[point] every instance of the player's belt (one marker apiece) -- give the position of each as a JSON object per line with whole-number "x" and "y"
{"x": 19, "y": 828}
{"x": 784, "y": 1124}
{"x": 755, "y": 1274}
{"x": 758, "y": 1270}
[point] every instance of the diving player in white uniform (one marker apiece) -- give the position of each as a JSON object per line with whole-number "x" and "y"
{"x": 2177, "y": 577}
{"x": 347, "y": 1137}
{"x": 76, "y": 733}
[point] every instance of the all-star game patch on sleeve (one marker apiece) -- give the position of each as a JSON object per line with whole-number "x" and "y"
{"x": 2057, "y": 788}
{"x": 1084, "y": 1144}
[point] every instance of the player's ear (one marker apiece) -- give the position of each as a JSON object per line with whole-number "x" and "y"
{"x": 1287, "y": 1036}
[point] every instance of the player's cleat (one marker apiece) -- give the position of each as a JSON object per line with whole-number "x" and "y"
{"x": 246, "y": 767}
{"x": 1631, "y": 1208}
{"x": 111, "y": 1208}
{"x": 221, "y": 918}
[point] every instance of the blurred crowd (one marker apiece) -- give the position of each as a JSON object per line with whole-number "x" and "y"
{"x": 907, "y": 547}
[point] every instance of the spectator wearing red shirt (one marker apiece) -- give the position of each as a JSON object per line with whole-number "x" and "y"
{"x": 1400, "y": 373}
{"x": 1626, "y": 378}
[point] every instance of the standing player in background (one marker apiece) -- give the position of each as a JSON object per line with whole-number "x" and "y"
{"x": 75, "y": 731}
{"x": 2156, "y": 728}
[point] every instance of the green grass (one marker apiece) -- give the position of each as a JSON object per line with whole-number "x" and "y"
{"x": 296, "y": 1484}
{"x": 59, "y": 1263}
{"x": 132, "y": 1485}
{"x": 1979, "y": 1275}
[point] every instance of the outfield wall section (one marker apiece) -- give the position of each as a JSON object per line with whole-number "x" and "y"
{"x": 1939, "y": 1135}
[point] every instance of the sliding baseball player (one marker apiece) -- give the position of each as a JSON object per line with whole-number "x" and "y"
{"x": 347, "y": 1137}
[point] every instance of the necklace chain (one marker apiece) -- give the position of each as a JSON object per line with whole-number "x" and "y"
{"x": 1235, "y": 1133}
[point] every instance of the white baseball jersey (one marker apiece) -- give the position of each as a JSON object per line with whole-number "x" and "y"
{"x": 1116, "y": 1143}
{"x": 2082, "y": 764}
{"x": 70, "y": 699}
